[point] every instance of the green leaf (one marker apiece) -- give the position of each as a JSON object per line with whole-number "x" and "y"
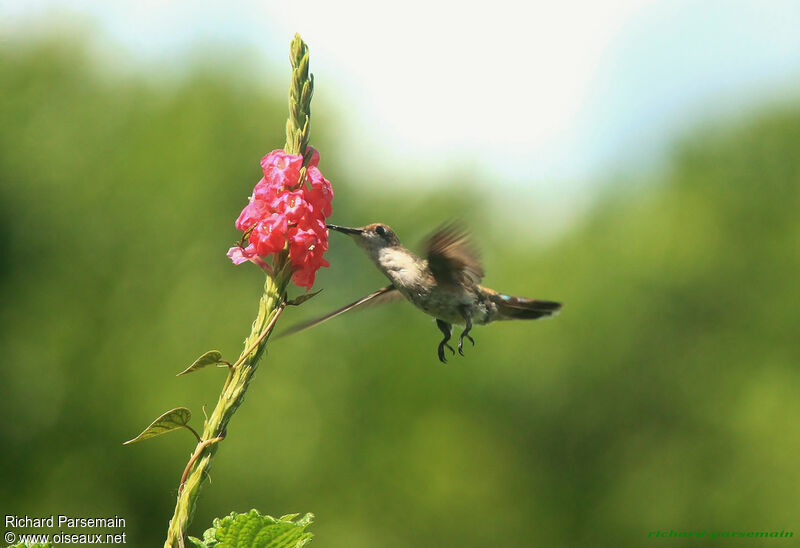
{"x": 35, "y": 545}
{"x": 297, "y": 301}
{"x": 171, "y": 420}
{"x": 211, "y": 357}
{"x": 252, "y": 530}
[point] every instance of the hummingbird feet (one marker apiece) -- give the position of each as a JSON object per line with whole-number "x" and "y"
{"x": 461, "y": 341}
{"x": 446, "y": 330}
{"x": 465, "y": 333}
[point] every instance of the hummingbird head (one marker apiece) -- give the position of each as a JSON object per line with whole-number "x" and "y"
{"x": 371, "y": 238}
{"x": 387, "y": 253}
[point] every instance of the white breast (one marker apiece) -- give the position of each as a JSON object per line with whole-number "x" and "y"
{"x": 402, "y": 267}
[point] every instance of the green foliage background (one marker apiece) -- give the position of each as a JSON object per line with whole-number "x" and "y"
{"x": 665, "y": 396}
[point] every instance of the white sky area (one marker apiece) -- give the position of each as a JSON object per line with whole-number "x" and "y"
{"x": 544, "y": 97}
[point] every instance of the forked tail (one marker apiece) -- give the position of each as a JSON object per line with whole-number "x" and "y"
{"x": 521, "y": 308}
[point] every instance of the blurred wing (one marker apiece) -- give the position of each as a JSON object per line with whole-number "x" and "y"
{"x": 382, "y": 295}
{"x": 452, "y": 257}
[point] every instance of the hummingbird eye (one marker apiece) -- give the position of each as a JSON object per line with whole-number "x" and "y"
{"x": 380, "y": 230}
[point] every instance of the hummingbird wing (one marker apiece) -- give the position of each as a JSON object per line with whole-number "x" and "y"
{"x": 382, "y": 295}
{"x": 452, "y": 257}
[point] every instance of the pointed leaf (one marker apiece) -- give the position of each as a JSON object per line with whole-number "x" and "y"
{"x": 297, "y": 301}
{"x": 252, "y": 530}
{"x": 211, "y": 357}
{"x": 171, "y": 420}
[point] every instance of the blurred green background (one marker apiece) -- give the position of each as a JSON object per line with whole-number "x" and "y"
{"x": 665, "y": 396}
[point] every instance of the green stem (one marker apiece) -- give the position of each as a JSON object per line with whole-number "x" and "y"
{"x": 272, "y": 303}
{"x": 270, "y": 306}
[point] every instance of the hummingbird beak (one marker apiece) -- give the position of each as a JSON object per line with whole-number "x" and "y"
{"x": 345, "y": 230}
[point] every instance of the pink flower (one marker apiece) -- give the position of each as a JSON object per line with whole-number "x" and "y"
{"x": 238, "y": 255}
{"x": 256, "y": 209}
{"x": 282, "y": 169}
{"x": 320, "y": 194}
{"x": 291, "y": 205}
{"x": 307, "y": 244}
{"x": 241, "y": 255}
{"x": 314, "y": 161}
{"x": 304, "y": 277}
{"x": 269, "y": 235}
{"x": 285, "y": 213}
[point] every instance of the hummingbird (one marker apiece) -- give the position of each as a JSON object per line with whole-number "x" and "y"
{"x": 444, "y": 283}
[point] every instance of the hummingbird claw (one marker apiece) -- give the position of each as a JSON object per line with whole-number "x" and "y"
{"x": 442, "y": 346}
{"x": 446, "y": 330}
{"x": 465, "y": 333}
{"x": 461, "y": 343}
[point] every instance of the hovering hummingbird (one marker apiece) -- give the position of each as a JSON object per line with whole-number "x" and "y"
{"x": 443, "y": 284}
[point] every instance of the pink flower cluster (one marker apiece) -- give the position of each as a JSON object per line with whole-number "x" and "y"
{"x": 286, "y": 213}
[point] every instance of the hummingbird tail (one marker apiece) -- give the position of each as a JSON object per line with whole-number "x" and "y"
{"x": 521, "y": 308}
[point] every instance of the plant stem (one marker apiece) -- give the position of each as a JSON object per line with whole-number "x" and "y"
{"x": 269, "y": 308}
{"x": 272, "y": 303}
